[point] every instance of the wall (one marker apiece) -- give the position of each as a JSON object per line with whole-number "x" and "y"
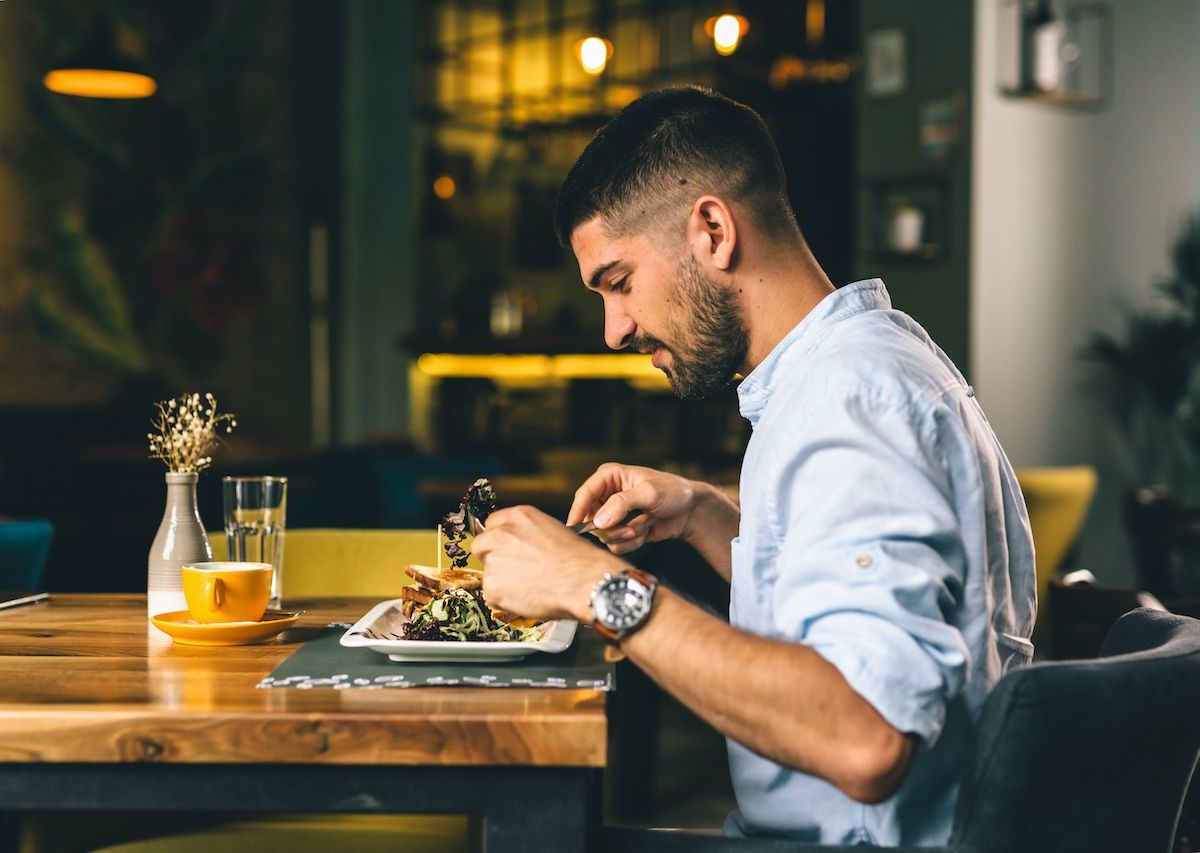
{"x": 377, "y": 299}
{"x": 224, "y": 249}
{"x": 935, "y": 292}
{"x": 1073, "y": 216}
{"x": 32, "y": 372}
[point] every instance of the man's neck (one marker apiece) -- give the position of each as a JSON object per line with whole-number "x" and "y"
{"x": 776, "y": 294}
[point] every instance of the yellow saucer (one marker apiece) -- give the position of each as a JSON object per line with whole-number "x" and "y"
{"x": 184, "y": 629}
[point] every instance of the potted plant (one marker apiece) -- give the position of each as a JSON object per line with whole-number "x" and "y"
{"x": 1153, "y": 373}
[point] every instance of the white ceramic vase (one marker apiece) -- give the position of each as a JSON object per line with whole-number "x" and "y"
{"x": 181, "y": 539}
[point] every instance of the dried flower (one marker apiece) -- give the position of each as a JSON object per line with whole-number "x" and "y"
{"x": 185, "y": 430}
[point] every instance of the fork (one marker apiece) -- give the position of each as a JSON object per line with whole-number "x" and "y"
{"x": 589, "y": 526}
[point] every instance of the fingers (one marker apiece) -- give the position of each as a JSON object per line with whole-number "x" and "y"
{"x": 624, "y": 543}
{"x": 620, "y": 533}
{"x": 520, "y": 526}
{"x": 622, "y": 548}
{"x": 627, "y": 537}
{"x": 497, "y": 518}
{"x": 631, "y": 538}
{"x": 488, "y": 587}
{"x": 483, "y": 544}
{"x": 490, "y": 542}
{"x": 512, "y": 514}
{"x": 594, "y": 491}
{"x": 644, "y": 496}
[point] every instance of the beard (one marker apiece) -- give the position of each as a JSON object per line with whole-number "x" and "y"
{"x": 711, "y": 340}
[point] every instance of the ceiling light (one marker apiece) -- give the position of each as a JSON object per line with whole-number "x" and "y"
{"x": 726, "y": 32}
{"x": 594, "y": 53}
{"x": 97, "y": 70}
{"x": 444, "y": 187}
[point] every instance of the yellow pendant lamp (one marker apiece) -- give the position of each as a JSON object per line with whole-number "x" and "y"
{"x": 97, "y": 70}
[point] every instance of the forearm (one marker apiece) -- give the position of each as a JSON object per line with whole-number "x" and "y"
{"x": 781, "y": 700}
{"x": 712, "y": 526}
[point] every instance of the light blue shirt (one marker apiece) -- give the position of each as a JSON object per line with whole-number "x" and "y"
{"x": 883, "y": 527}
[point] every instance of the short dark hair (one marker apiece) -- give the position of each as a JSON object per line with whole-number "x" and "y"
{"x": 666, "y": 149}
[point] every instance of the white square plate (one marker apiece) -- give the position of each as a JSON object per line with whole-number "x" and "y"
{"x": 379, "y": 630}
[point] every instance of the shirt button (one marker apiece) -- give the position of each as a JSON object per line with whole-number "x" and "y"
{"x": 864, "y": 562}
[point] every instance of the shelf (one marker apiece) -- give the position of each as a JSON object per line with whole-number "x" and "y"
{"x": 581, "y": 344}
{"x": 924, "y": 200}
{"x": 633, "y": 367}
{"x": 1057, "y": 99}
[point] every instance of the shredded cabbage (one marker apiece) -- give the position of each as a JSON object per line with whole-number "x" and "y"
{"x": 461, "y": 615}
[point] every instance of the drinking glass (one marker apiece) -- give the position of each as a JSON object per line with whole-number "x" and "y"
{"x": 255, "y": 518}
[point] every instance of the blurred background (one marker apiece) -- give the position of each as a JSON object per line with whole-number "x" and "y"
{"x": 336, "y": 217}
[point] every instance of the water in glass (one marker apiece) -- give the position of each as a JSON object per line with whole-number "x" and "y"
{"x": 255, "y": 520}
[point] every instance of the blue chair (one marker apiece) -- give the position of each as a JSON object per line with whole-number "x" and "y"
{"x": 24, "y": 547}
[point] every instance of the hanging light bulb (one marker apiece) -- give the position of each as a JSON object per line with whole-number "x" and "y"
{"x": 97, "y": 70}
{"x": 594, "y": 53}
{"x": 726, "y": 32}
{"x": 814, "y": 23}
{"x": 444, "y": 187}
{"x": 99, "y": 83}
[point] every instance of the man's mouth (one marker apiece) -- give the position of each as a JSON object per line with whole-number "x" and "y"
{"x": 658, "y": 357}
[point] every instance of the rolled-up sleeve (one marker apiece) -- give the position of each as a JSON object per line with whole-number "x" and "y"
{"x": 871, "y": 558}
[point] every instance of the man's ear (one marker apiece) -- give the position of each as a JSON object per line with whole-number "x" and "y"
{"x": 712, "y": 232}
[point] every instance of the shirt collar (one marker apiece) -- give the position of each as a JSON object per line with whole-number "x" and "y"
{"x": 755, "y": 390}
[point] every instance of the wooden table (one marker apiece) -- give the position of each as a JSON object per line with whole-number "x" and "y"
{"x": 98, "y": 710}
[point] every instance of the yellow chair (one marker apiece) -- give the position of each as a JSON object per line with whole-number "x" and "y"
{"x": 347, "y": 562}
{"x": 366, "y": 563}
{"x": 1058, "y": 500}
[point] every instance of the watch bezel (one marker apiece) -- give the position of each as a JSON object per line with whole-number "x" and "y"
{"x": 606, "y": 591}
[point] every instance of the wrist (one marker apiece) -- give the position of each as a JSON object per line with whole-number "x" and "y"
{"x": 581, "y": 596}
{"x": 704, "y": 498}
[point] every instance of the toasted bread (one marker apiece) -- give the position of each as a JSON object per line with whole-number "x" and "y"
{"x": 446, "y": 579}
{"x": 419, "y": 594}
{"x": 513, "y": 619}
{"x": 409, "y": 607}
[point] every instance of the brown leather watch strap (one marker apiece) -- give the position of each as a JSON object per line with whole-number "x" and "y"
{"x": 604, "y": 631}
{"x": 644, "y": 578}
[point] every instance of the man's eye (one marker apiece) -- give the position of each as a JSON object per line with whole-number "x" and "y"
{"x": 619, "y": 285}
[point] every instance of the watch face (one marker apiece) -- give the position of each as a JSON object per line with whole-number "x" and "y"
{"x": 622, "y": 604}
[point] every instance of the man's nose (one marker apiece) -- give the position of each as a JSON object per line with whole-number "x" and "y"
{"x": 618, "y": 328}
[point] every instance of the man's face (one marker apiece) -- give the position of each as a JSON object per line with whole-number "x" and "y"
{"x": 690, "y": 324}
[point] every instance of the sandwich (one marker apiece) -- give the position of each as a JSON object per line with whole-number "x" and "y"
{"x": 447, "y": 604}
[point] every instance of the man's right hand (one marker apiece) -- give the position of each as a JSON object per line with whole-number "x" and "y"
{"x": 671, "y": 506}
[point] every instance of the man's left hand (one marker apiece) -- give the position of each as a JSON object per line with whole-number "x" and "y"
{"x": 533, "y": 565}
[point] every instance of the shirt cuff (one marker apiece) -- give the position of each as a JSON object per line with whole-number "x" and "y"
{"x": 907, "y": 682}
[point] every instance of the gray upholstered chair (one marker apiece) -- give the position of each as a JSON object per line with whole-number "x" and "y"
{"x": 1076, "y": 756}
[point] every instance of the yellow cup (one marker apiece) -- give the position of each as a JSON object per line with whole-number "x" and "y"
{"x": 226, "y": 591}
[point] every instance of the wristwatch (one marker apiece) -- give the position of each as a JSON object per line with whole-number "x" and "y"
{"x": 621, "y": 603}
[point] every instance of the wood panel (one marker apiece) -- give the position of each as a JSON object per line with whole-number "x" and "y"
{"x": 84, "y": 678}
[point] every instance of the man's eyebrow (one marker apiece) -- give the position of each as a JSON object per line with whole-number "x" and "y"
{"x": 598, "y": 273}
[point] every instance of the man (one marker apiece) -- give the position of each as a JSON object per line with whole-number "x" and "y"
{"x": 880, "y": 561}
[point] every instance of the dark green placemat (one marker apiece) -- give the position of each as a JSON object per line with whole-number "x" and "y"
{"x": 322, "y": 662}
